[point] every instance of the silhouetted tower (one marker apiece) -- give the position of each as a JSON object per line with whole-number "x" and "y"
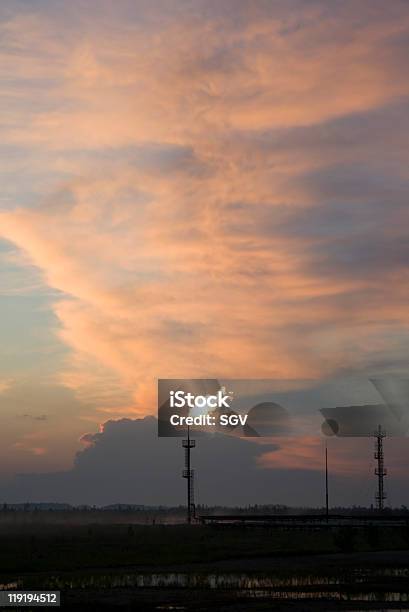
{"x": 380, "y": 471}
{"x": 188, "y": 473}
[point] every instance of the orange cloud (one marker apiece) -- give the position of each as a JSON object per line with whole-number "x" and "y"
{"x": 351, "y": 457}
{"x": 208, "y": 210}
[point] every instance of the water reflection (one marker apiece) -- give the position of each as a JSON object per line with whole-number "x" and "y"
{"x": 10, "y": 586}
{"x": 359, "y": 584}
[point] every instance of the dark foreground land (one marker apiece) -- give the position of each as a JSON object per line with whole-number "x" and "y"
{"x": 127, "y": 566}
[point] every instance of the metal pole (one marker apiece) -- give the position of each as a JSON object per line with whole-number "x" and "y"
{"x": 326, "y": 483}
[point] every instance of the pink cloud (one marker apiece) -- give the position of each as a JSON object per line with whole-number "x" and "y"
{"x": 168, "y": 237}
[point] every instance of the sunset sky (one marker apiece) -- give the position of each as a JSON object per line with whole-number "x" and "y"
{"x": 198, "y": 188}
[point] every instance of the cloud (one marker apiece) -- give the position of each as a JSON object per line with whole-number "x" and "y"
{"x": 5, "y": 385}
{"x": 127, "y": 463}
{"x": 34, "y": 415}
{"x": 212, "y": 190}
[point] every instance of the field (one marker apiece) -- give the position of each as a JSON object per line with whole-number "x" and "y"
{"x": 120, "y": 564}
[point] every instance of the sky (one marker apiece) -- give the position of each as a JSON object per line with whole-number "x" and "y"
{"x": 196, "y": 188}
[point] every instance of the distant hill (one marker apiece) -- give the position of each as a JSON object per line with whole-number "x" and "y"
{"x": 37, "y": 506}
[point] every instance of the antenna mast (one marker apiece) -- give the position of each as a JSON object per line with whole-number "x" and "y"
{"x": 380, "y": 470}
{"x": 188, "y": 473}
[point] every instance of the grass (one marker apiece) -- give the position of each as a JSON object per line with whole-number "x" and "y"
{"x": 48, "y": 548}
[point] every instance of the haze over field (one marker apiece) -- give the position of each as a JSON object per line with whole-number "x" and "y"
{"x": 195, "y": 188}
